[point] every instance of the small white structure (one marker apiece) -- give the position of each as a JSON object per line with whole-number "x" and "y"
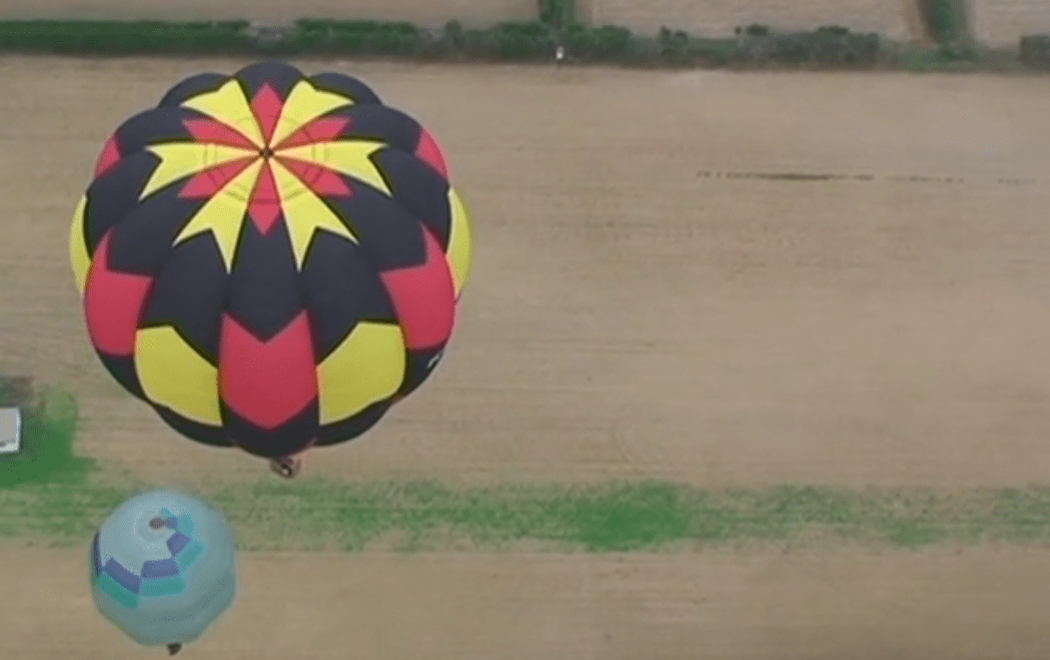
{"x": 10, "y": 430}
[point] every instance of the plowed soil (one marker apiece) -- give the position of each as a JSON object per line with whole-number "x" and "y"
{"x": 718, "y": 279}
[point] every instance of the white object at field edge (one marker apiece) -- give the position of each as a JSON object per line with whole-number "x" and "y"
{"x": 10, "y": 430}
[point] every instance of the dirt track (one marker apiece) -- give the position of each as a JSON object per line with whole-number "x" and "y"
{"x": 635, "y": 311}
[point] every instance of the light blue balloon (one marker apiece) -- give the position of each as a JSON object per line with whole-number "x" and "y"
{"x": 163, "y": 567}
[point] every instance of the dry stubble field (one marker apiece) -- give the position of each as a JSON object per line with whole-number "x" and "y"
{"x": 657, "y": 293}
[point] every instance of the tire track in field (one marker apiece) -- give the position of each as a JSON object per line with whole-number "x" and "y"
{"x": 818, "y": 177}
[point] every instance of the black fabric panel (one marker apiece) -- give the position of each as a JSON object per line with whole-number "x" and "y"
{"x": 340, "y": 288}
{"x": 421, "y": 363}
{"x": 200, "y": 83}
{"x": 113, "y": 195}
{"x": 420, "y": 190}
{"x": 123, "y": 371}
{"x": 380, "y": 123}
{"x": 264, "y": 294}
{"x": 350, "y": 87}
{"x": 154, "y": 127}
{"x": 141, "y": 243}
{"x": 287, "y": 439}
{"x": 278, "y": 75}
{"x": 349, "y": 429}
{"x": 189, "y": 293}
{"x": 208, "y": 435}
{"x": 389, "y": 235}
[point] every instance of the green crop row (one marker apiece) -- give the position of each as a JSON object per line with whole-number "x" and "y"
{"x": 753, "y": 46}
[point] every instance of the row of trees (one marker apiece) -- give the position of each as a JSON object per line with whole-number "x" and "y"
{"x": 751, "y": 46}
{"x": 515, "y": 41}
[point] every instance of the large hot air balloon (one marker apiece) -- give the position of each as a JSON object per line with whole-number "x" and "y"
{"x": 270, "y": 259}
{"x": 163, "y": 568}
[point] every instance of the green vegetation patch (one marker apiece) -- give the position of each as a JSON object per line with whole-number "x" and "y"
{"x": 752, "y": 47}
{"x": 49, "y": 420}
{"x": 124, "y": 37}
{"x": 557, "y": 13}
{"x": 1035, "y": 51}
{"x": 946, "y": 20}
{"x": 617, "y": 517}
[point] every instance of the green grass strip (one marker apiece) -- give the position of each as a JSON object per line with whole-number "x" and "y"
{"x": 47, "y": 496}
{"x": 617, "y": 517}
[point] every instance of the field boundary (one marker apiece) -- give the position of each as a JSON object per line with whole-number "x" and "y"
{"x": 654, "y": 516}
{"x": 753, "y": 47}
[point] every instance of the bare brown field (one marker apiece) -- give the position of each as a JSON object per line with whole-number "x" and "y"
{"x": 964, "y": 606}
{"x": 1003, "y": 22}
{"x": 636, "y": 311}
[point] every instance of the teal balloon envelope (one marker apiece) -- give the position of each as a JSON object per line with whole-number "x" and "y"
{"x": 163, "y": 567}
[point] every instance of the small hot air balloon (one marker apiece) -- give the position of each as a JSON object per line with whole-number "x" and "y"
{"x": 269, "y": 259}
{"x": 163, "y": 568}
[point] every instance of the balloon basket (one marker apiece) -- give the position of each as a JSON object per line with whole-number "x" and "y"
{"x": 286, "y": 467}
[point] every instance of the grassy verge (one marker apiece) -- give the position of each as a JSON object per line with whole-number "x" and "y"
{"x": 47, "y": 498}
{"x": 648, "y": 516}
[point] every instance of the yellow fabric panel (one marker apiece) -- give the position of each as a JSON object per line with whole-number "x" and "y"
{"x": 176, "y": 376}
{"x": 367, "y": 367}
{"x": 78, "y": 250}
{"x": 349, "y": 157}
{"x": 304, "y": 213}
{"x": 229, "y": 105}
{"x": 181, "y": 159}
{"x": 460, "y": 244}
{"x": 223, "y": 215}
{"x": 305, "y": 103}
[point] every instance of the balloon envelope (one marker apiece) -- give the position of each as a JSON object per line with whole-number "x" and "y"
{"x": 269, "y": 259}
{"x": 163, "y": 567}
